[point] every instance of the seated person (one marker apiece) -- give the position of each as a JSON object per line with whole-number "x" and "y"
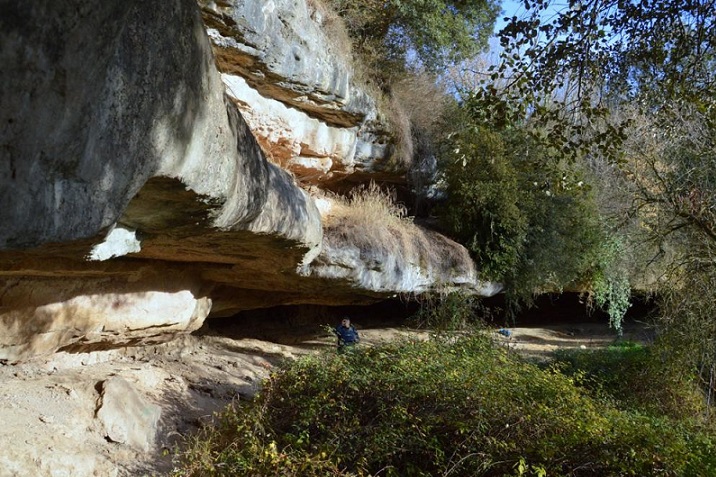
{"x": 347, "y": 334}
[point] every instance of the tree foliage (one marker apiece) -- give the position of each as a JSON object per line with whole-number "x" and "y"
{"x": 634, "y": 82}
{"x": 482, "y": 209}
{"x": 571, "y": 67}
{"x": 672, "y": 174}
{"x": 437, "y": 32}
{"x": 528, "y": 219}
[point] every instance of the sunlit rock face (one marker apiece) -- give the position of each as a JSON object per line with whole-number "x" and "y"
{"x": 282, "y": 52}
{"x": 50, "y": 317}
{"x": 297, "y": 90}
{"x": 427, "y": 262}
{"x": 387, "y": 254}
{"x": 115, "y": 118}
{"x": 136, "y": 201}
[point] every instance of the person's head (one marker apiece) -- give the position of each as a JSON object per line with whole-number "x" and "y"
{"x": 346, "y": 322}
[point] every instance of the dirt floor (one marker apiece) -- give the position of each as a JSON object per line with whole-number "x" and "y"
{"x": 58, "y": 418}
{"x": 539, "y": 342}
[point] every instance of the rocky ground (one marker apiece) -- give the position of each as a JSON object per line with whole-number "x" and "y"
{"x": 121, "y": 412}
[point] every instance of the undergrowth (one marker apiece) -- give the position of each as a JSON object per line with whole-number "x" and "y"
{"x": 449, "y": 312}
{"x": 636, "y": 376}
{"x": 445, "y": 407}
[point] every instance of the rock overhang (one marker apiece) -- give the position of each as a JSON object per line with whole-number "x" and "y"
{"x": 133, "y": 180}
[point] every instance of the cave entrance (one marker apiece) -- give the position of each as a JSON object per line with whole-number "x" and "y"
{"x": 293, "y": 324}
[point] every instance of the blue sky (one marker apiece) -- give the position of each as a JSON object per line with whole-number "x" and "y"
{"x": 514, "y": 7}
{"x": 510, "y": 8}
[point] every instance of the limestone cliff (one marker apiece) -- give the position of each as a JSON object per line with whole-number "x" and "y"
{"x": 137, "y": 201}
{"x": 297, "y": 90}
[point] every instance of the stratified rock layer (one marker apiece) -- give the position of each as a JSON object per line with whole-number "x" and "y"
{"x": 283, "y": 53}
{"x": 296, "y": 90}
{"x": 117, "y": 115}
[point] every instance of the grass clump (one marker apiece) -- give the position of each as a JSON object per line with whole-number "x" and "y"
{"x": 369, "y": 203}
{"x": 458, "y": 407}
{"x": 370, "y": 219}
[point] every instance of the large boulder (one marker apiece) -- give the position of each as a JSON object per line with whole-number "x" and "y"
{"x": 118, "y": 139}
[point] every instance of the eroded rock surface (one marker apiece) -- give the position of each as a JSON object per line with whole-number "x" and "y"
{"x": 126, "y": 416}
{"x": 137, "y": 201}
{"x": 297, "y": 90}
{"x": 282, "y": 52}
{"x": 425, "y": 262}
{"x": 115, "y": 114}
{"x": 388, "y": 254}
{"x": 121, "y": 412}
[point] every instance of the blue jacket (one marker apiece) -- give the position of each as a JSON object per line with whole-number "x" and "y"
{"x": 346, "y": 336}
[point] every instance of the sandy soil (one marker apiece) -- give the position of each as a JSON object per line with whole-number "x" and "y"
{"x": 539, "y": 342}
{"x": 49, "y": 407}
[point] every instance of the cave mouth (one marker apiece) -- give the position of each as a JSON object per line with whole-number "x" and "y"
{"x": 293, "y": 324}
{"x": 565, "y": 308}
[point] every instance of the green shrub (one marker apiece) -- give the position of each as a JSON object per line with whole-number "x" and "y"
{"x": 459, "y": 407}
{"x": 449, "y": 312}
{"x": 527, "y": 221}
{"x": 482, "y": 210}
{"x": 635, "y": 377}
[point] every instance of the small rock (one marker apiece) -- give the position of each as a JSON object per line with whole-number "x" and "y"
{"x": 47, "y": 419}
{"x": 126, "y": 416}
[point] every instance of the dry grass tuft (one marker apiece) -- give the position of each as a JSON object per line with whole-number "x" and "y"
{"x": 369, "y": 206}
{"x": 370, "y": 219}
{"x": 402, "y": 129}
{"x": 334, "y": 28}
{"x": 423, "y": 101}
{"x": 417, "y": 105}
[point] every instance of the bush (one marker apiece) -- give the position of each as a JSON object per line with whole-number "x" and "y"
{"x": 450, "y": 312}
{"x": 482, "y": 210}
{"x": 459, "y": 407}
{"x": 635, "y": 377}
{"x": 528, "y": 222}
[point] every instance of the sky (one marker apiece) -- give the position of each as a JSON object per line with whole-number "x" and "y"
{"x": 510, "y": 8}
